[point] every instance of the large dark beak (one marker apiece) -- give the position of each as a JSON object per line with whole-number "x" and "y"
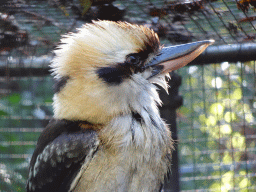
{"x": 175, "y": 57}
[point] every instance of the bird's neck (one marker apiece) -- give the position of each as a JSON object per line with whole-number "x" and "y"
{"x": 143, "y": 131}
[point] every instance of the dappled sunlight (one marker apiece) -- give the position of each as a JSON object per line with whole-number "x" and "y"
{"x": 217, "y": 82}
{"x": 229, "y": 117}
{"x": 227, "y": 158}
{"x": 224, "y": 111}
{"x": 237, "y": 141}
{"x": 210, "y": 121}
{"x": 217, "y": 109}
{"x": 225, "y": 65}
{"x": 237, "y": 94}
{"x": 227, "y": 181}
{"x": 225, "y": 129}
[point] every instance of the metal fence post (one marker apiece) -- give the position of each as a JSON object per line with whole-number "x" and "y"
{"x": 168, "y": 112}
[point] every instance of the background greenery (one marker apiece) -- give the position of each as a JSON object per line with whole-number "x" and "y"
{"x": 217, "y": 127}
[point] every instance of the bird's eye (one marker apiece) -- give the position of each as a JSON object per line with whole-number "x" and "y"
{"x": 133, "y": 59}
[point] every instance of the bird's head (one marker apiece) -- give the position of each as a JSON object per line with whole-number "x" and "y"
{"x": 107, "y": 69}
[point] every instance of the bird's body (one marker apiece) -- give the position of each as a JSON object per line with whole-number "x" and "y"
{"x": 133, "y": 158}
{"x": 107, "y": 134}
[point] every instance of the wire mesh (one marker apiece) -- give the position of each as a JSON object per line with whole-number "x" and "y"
{"x": 185, "y": 21}
{"x": 217, "y": 128}
{"x": 216, "y": 123}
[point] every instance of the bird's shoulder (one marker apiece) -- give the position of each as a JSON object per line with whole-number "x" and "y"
{"x": 61, "y": 150}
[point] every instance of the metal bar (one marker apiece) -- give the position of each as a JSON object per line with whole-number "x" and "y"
{"x": 24, "y": 72}
{"x": 213, "y": 54}
{"x": 231, "y": 53}
{"x": 168, "y": 112}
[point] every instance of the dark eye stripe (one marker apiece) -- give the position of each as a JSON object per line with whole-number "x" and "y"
{"x": 116, "y": 74}
{"x": 60, "y": 83}
{"x": 113, "y": 75}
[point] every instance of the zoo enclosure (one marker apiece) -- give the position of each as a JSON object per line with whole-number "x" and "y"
{"x": 216, "y": 130}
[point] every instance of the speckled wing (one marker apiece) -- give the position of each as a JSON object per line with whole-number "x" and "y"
{"x": 63, "y": 148}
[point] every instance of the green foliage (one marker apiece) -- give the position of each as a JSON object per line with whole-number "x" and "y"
{"x": 218, "y": 118}
{"x": 14, "y": 98}
{"x": 17, "y": 111}
{"x": 13, "y": 175}
{"x": 3, "y": 113}
{"x": 86, "y": 4}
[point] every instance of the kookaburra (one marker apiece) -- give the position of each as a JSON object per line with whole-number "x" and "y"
{"x": 107, "y": 134}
